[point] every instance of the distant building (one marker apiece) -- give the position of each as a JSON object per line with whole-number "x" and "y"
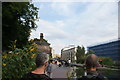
{"x": 43, "y": 45}
{"x": 53, "y": 52}
{"x": 69, "y": 54}
{"x": 54, "y": 55}
{"x": 109, "y": 49}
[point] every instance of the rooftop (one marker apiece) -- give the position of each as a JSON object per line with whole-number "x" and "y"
{"x": 41, "y": 41}
{"x": 69, "y": 47}
{"x": 106, "y": 42}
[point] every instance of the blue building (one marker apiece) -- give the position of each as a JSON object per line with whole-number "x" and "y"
{"x": 109, "y": 49}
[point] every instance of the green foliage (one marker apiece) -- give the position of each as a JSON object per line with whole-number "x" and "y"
{"x": 80, "y": 54}
{"x": 18, "y": 62}
{"x": 13, "y": 45}
{"x": 90, "y": 52}
{"x": 106, "y": 61}
{"x": 18, "y": 18}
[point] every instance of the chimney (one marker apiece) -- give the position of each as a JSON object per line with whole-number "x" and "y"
{"x": 41, "y": 36}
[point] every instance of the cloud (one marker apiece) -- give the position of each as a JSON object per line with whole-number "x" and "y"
{"x": 52, "y": 30}
{"x": 75, "y": 0}
{"x": 98, "y": 21}
{"x": 77, "y": 23}
{"x": 63, "y": 9}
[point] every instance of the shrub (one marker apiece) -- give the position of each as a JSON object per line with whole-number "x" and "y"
{"x": 18, "y": 62}
{"x": 106, "y": 61}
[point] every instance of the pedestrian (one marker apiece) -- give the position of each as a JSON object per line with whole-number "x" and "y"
{"x": 49, "y": 69}
{"x": 39, "y": 73}
{"x": 91, "y": 73}
{"x": 66, "y": 64}
{"x": 101, "y": 62}
{"x": 56, "y": 62}
{"x": 59, "y": 64}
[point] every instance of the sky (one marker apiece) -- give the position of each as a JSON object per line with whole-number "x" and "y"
{"x": 76, "y": 23}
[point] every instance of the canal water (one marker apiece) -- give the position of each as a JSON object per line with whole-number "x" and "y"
{"x": 111, "y": 74}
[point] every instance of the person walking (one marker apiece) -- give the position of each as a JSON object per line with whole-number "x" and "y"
{"x": 39, "y": 73}
{"x": 101, "y": 62}
{"x": 91, "y": 73}
{"x": 49, "y": 69}
{"x": 59, "y": 64}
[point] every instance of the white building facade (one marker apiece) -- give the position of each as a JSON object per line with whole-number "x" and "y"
{"x": 69, "y": 54}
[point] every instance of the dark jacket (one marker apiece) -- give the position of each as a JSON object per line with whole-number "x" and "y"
{"x": 32, "y": 76}
{"x": 93, "y": 75}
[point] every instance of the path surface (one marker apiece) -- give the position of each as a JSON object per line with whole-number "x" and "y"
{"x": 60, "y": 72}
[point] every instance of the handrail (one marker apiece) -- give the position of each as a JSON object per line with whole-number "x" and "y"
{"x": 105, "y": 67}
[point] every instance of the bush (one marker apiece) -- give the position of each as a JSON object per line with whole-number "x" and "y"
{"x": 18, "y": 62}
{"x": 106, "y": 61}
{"x": 81, "y": 59}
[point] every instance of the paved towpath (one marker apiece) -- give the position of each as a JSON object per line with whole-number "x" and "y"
{"x": 60, "y": 72}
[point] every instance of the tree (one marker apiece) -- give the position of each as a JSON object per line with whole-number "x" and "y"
{"x": 90, "y": 52}
{"x": 18, "y": 18}
{"x": 80, "y": 54}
